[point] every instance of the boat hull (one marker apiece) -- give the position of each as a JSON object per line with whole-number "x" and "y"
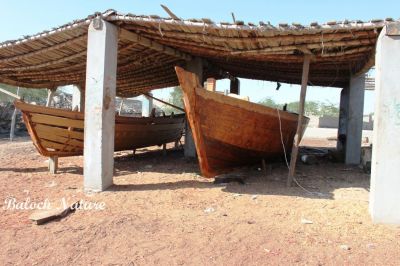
{"x": 57, "y": 132}
{"x": 229, "y": 132}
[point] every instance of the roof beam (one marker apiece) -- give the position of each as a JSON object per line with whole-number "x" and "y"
{"x": 146, "y": 42}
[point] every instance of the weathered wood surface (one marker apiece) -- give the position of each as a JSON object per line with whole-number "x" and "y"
{"x": 300, "y": 129}
{"x": 56, "y": 132}
{"x": 230, "y": 132}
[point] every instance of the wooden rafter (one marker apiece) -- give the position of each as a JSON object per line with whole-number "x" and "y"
{"x": 146, "y": 42}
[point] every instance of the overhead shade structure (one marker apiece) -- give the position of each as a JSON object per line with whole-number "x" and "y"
{"x": 149, "y": 47}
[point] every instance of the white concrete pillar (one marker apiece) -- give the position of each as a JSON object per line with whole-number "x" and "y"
{"x": 211, "y": 84}
{"x": 355, "y": 120}
{"x": 147, "y": 105}
{"x": 194, "y": 66}
{"x": 78, "y": 99}
{"x": 385, "y": 172}
{"x": 100, "y": 90}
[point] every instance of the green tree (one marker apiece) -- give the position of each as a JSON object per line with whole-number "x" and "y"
{"x": 30, "y": 95}
{"x": 175, "y": 98}
{"x": 269, "y": 102}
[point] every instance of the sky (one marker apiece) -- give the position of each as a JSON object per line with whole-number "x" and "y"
{"x": 25, "y": 17}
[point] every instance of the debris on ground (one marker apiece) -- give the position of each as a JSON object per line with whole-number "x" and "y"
{"x": 305, "y": 221}
{"x": 40, "y": 217}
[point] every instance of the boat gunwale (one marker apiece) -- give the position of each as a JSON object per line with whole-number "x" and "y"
{"x": 249, "y": 106}
{"x": 51, "y": 111}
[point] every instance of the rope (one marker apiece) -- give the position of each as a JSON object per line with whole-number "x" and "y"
{"x": 287, "y": 163}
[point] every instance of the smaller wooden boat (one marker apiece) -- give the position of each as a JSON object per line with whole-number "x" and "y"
{"x": 57, "y": 132}
{"x": 230, "y": 132}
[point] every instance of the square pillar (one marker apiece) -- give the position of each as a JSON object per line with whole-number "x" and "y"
{"x": 147, "y": 105}
{"x": 211, "y": 84}
{"x": 385, "y": 168}
{"x": 355, "y": 120}
{"x": 100, "y": 89}
{"x": 78, "y": 98}
{"x": 235, "y": 86}
{"x": 194, "y": 66}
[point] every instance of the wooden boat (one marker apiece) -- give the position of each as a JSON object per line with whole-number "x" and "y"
{"x": 230, "y": 132}
{"x": 57, "y": 132}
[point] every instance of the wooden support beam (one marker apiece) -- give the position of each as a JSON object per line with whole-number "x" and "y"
{"x": 50, "y": 95}
{"x": 149, "y": 43}
{"x": 297, "y": 137}
{"x": 10, "y": 93}
{"x": 53, "y": 164}
{"x": 169, "y": 12}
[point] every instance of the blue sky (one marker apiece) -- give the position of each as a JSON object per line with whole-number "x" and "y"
{"x": 23, "y": 17}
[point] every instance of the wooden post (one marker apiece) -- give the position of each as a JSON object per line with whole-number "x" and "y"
{"x": 53, "y": 164}
{"x": 164, "y": 149}
{"x": 297, "y": 137}
{"x": 264, "y": 167}
{"x": 13, "y": 122}
{"x": 195, "y": 66}
{"x": 50, "y": 95}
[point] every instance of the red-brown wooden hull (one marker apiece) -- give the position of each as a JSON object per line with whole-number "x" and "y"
{"x": 230, "y": 132}
{"x": 57, "y": 132}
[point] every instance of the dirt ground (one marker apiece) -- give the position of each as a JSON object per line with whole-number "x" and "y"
{"x": 160, "y": 211}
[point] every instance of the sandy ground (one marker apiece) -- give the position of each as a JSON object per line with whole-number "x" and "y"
{"x": 160, "y": 211}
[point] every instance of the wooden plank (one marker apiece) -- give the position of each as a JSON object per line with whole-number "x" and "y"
{"x": 62, "y": 140}
{"x": 30, "y": 108}
{"x": 146, "y": 42}
{"x": 62, "y": 132}
{"x": 57, "y": 146}
{"x": 155, "y": 127}
{"x": 169, "y": 12}
{"x": 56, "y": 121}
{"x": 297, "y": 137}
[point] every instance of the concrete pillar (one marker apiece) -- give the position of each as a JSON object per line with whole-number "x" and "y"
{"x": 53, "y": 164}
{"x": 194, "y": 66}
{"x": 211, "y": 84}
{"x": 355, "y": 120}
{"x": 385, "y": 177}
{"x": 235, "y": 86}
{"x": 78, "y": 98}
{"x": 147, "y": 105}
{"x": 100, "y": 90}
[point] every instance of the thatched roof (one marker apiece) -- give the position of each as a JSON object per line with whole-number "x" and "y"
{"x": 262, "y": 51}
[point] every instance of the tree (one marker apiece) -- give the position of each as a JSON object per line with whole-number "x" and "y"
{"x": 269, "y": 102}
{"x": 310, "y": 108}
{"x": 175, "y": 98}
{"x": 30, "y": 95}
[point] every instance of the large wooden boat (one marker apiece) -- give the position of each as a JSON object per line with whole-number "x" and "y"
{"x": 57, "y": 132}
{"x": 230, "y": 132}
